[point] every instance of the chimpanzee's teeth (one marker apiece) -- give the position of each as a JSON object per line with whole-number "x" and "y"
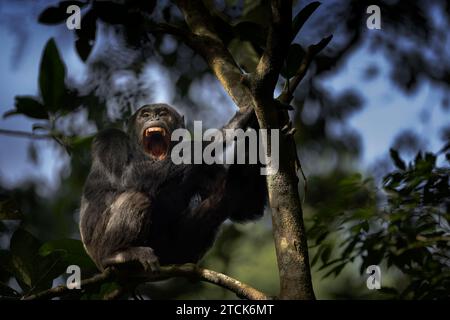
{"x": 148, "y": 131}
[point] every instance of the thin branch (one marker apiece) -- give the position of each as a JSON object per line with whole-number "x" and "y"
{"x": 277, "y": 45}
{"x": 290, "y": 85}
{"x": 191, "y": 271}
{"x": 241, "y": 289}
{"x": 63, "y": 290}
{"x": 24, "y": 134}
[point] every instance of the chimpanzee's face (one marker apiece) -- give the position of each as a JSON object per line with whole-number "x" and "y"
{"x": 153, "y": 125}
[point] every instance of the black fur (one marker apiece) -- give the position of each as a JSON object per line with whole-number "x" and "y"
{"x": 149, "y": 211}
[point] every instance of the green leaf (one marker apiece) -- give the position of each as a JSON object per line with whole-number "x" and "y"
{"x": 29, "y": 107}
{"x": 399, "y": 163}
{"x": 24, "y": 243}
{"x": 22, "y": 272}
{"x": 24, "y": 247}
{"x": 325, "y": 256}
{"x": 317, "y": 255}
{"x": 431, "y": 159}
{"x": 293, "y": 61}
{"x": 49, "y": 268}
{"x": 72, "y": 252}
{"x": 51, "y": 77}
{"x": 33, "y": 271}
{"x": 336, "y": 270}
{"x": 322, "y": 236}
{"x": 349, "y": 248}
{"x": 302, "y": 17}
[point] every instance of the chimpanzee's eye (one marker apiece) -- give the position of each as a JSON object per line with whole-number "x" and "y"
{"x": 163, "y": 113}
{"x": 145, "y": 114}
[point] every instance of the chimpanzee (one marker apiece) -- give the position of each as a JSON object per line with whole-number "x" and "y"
{"x": 138, "y": 206}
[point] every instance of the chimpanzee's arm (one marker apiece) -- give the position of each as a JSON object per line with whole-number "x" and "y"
{"x": 237, "y": 192}
{"x": 245, "y": 189}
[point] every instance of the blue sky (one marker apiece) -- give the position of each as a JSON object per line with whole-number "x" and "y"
{"x": 387, "y": 110}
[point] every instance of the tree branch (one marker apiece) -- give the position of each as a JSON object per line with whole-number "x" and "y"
{"x": 287, "y": 215}
{"x": 257, "y": 91}
{"x": 241, "y": 289}
{"x": 208, "y": 44}
{"x": 24, "y": 134}
{"x": 63, "y": 290}
{"x": 191, "y": 271}
{"x": 287, "y": 94}
{"x": 277, "y": 45}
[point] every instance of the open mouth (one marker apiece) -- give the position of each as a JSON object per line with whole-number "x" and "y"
{"x": 156, "y": 142}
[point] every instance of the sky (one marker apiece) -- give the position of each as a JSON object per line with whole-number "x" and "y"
{"x": 387, "y": 110}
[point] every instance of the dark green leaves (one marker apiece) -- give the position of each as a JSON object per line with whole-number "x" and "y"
{"x": 33, "y": 271}
{"x": 35, "y": 266}
{"x": 23, "y": 263}
{"x": 71, "y": 252}
{"x": 296, "y": 53}
{"x": 29, "y": 107}
{"x": 51, "y": 77}
{"x": 52, "y": 88}
{"x": 302, "y": 17}
{"x": 409, "y": 232}
{"x": 399, "y": 163}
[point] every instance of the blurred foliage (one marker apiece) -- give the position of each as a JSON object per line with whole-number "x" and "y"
{"x": 351, "y": 223}
{"x": 407, "y": 228}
